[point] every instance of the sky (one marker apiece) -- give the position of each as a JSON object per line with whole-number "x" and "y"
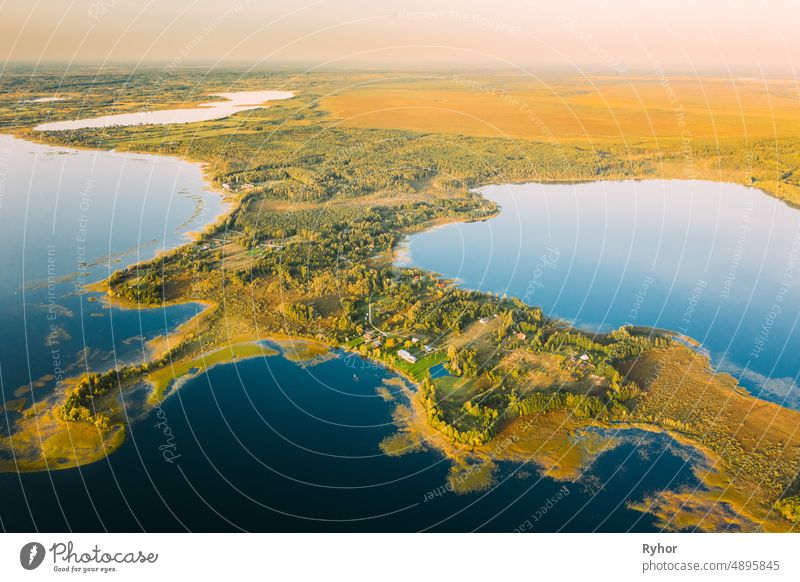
{"x": 609, "y": 35}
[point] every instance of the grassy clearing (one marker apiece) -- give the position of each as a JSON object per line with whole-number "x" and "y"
{"x": 42, "y": 441}
{"x": 420, "y": 368}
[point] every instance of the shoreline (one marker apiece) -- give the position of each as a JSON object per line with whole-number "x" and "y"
{"x": 94, "y": 449}
{"x": 171, "y": 340}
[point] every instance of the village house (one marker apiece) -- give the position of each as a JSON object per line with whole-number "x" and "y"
{"x": 406, "y": 356}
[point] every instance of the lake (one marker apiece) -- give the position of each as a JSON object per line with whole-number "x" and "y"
{"x": 69, "y": 217}
{"x": 717, "y": 262}
{"x": 231, "y": 103}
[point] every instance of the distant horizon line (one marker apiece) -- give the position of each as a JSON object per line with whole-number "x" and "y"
{"x": 298, "y": 65}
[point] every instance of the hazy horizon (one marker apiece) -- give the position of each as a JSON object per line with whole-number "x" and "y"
{"x": 619, "y": 37}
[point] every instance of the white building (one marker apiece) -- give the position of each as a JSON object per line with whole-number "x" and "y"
{"x": 406, "y": 356}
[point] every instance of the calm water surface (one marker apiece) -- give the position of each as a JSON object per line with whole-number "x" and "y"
{"x": 69, "y": 217}
{"x": 715, "y": 261}
{"x": 232, "y": 103}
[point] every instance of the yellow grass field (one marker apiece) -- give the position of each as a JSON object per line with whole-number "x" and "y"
{"x": 564, "y": 109}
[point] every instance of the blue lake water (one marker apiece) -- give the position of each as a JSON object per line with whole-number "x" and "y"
{"x": 263, "y": 444}
{"x": 714, "y": 261}
{"x": 69, "y": 217}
